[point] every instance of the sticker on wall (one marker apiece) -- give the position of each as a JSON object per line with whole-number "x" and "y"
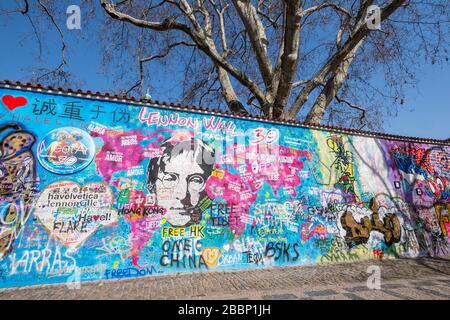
{"x": 66, "y": 150}
{"x": 72, "y": 213}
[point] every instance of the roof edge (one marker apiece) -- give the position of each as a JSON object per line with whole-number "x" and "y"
{"x": 170, "y": 105}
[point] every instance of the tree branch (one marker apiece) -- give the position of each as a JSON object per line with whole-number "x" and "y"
{"x": 27, "y": 7}
{"x": 140, "y": 82}
{"x": 334, "y": 6}
{"x": 63, "y": 48}
{"x": 36, "y": 33}
{"x": 289, "y": 58}
{"x": 299, "y": 83}
{"x": 222, "y": 32}
{"x": 330, "y": 67}
{"x": 197, "y": 35}
{"x": 362, "y": 118}
{"x": 331, "y": 87}
{"x": 209, "y": 90}
{"x": 258, "y": 39}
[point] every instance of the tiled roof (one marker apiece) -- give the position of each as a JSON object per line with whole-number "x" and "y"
{"x": 179, "y": 107}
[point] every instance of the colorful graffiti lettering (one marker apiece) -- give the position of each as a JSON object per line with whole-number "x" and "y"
{"x": 18, "y": 182}
{"x": 359, "y": 223}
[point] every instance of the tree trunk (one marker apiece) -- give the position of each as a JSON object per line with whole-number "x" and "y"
{"x": 331, "y": 88}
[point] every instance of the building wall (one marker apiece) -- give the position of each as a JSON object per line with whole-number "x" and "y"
{"x": 94, "y": 190}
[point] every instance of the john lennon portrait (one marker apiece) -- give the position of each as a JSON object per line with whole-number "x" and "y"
{"x": 178, "y": 178}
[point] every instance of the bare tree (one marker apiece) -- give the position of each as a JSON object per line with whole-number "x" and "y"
{"x": 309, "y": 60}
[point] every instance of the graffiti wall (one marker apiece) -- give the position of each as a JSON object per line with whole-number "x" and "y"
{"x": 93, "y": 189}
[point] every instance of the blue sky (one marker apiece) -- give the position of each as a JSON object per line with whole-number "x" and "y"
{"x": 425, "y": 114}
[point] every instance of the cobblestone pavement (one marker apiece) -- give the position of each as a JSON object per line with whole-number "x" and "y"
{"x": 424, "y": 278}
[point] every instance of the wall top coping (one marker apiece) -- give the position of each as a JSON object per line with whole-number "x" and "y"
{"x": 203, "y": 110}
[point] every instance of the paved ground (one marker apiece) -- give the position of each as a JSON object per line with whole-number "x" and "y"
{"x": 424, "y": 278}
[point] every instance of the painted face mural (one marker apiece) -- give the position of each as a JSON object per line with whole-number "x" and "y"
{"x": 178, "y": 178}
{"x": 94, "y": 189}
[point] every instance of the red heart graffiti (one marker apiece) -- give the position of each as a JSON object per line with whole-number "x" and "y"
{"x": 13, "y": 102}
{"x": 96, "y": 217}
